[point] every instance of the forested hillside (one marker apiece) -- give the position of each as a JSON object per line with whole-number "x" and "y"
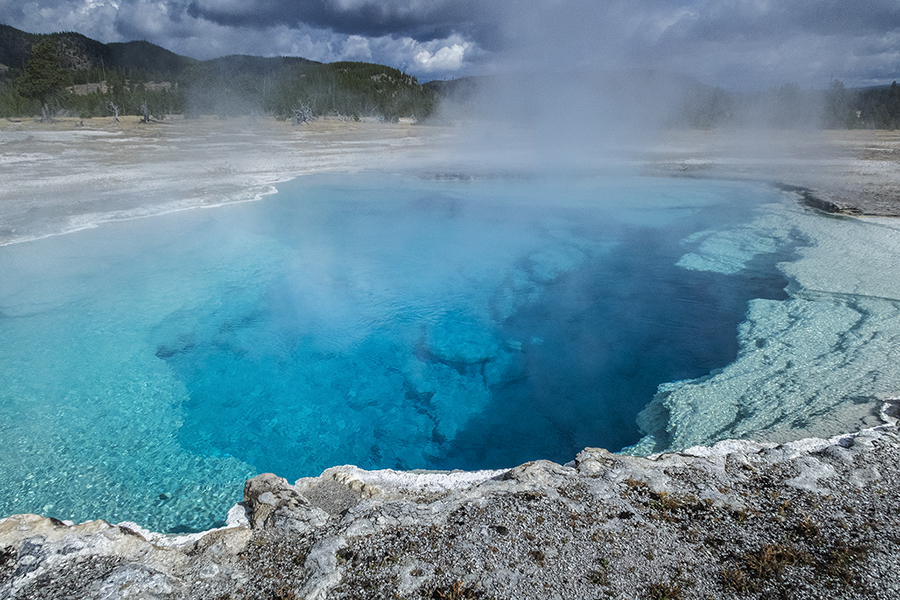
{"x": 70, "y": 74}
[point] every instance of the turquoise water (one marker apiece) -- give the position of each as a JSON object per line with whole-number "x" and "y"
{"x": 148, "y": 367}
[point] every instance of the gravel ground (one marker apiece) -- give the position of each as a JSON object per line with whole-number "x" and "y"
{"x": 810, "y": 519}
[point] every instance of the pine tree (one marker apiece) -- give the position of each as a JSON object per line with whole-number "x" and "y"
{"x": 43, "y": 77}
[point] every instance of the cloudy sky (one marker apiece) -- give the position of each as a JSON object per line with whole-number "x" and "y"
{"x": 737, "y": 44}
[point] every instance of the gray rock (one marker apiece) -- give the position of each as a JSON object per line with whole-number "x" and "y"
{"x": 809, "y": 519}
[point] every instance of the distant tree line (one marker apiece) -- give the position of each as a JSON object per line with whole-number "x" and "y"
{"x": 58, "y": 74}
{"x": 348, "y": 89}
{"x": 227, "y": 87}
{"x": 872, "y": 108}
{"x": 792, "y": 107}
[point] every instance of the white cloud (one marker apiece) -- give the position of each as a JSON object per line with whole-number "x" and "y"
{"x": 93, "y": 18}
{"x": 448, "y": 58}
{"x": 356, "y": 47}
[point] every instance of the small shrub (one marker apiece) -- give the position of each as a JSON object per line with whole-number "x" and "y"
{"x": 284, "y": 593}
{"x": 636, "y": 484}
{"x": 735, "y": 580}
{"x": 807, "y": 527}
{"x": 840, "y": 559}
{"x": 665, "y": 591}
{"x": 457, "y": 591}
{"x": 771, "y": 559}
{"x": 666, "y": 501}
{"x": 597, "y": 578}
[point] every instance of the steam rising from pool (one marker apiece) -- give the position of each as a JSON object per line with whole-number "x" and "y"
{"x": 148, "y": 367}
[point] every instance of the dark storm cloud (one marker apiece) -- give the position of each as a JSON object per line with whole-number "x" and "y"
{"x": 743, "y": 43}
{"x": 842, "y": 17}
{"x": 419, "y": 20}
{"x": 765, "y": 20}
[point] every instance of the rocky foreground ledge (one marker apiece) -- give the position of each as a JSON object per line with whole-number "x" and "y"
{"x": 808, "y": 519}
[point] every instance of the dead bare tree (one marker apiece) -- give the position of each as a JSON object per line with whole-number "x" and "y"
{"x": 115, "y": 110}
{"x": 302, "y": 114}
{"x": 145, "y": 112}
{"x": 46, "y": 117}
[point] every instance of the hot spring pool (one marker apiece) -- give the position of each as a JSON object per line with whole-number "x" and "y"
{"x": 148, "y": 367}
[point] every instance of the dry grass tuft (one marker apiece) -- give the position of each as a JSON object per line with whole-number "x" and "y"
{"x": 457, "y": 591}
{"x": 665, "y": 591}
{"x": 772, "y": 558}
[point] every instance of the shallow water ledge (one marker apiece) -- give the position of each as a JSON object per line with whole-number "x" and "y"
{"x": 813, "y": 518}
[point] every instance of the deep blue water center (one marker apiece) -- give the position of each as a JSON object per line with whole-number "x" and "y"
{"x": 423, "y": 325}
{"x": 149, "y": 366}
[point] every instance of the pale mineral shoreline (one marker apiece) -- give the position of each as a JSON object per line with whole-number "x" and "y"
{"x": 743, "y": 518}
{"x": 856, "y": 172}
{"x": 74, "y": 174}
{"x": 65, "y": 176}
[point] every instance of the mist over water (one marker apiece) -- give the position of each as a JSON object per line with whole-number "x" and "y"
{"x": 562, "y": 95}
{"x": 475, "y": 328}
{"x": 587, "y": 86}
{"x": 382, "y": 321}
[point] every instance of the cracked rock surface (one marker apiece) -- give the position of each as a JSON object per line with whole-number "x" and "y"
{"x": 809, "y": 519}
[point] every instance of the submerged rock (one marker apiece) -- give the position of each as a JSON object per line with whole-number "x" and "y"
{"x": 808, "y": 519}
